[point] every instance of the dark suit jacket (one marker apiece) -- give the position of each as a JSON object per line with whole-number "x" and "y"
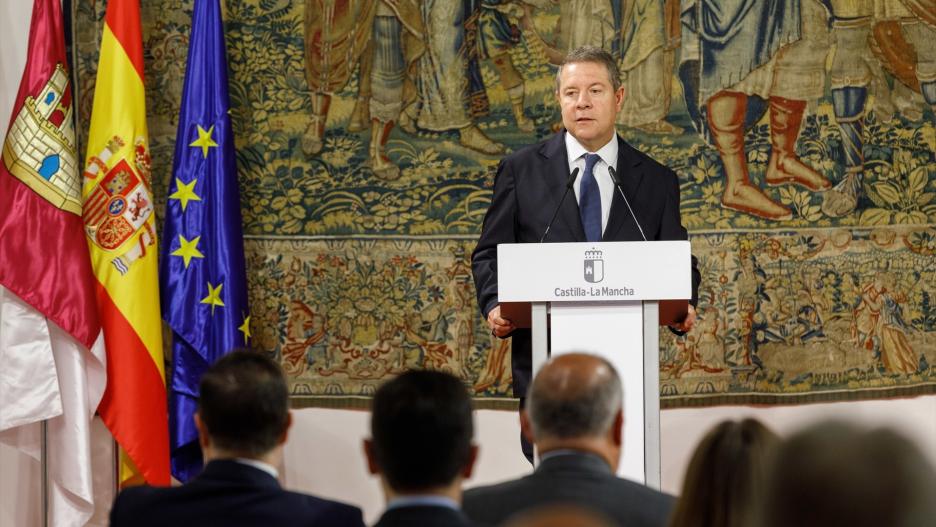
{"x": 578, "y": 479}
{"x": 528, "y": 188}
{"x": 228, "y": 494}
{"x": 423, "y": 516}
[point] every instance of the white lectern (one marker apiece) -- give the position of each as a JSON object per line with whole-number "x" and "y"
{"x": 603, "y": 298}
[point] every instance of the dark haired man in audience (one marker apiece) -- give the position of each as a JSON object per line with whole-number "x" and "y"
{"x": 421, "y": 447}
{"x": 242, "y": 420}
{"x": 574, "y": 416}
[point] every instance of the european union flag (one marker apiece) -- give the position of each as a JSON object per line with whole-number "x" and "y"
{"x": 202, "y": 277}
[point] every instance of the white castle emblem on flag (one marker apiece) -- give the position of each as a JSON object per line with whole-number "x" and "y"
{"x": 40, "y": 146}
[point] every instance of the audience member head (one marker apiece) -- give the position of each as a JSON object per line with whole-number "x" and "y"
{"x": 576, "y": 402}
{"x": 838, "y": 474}
{"x": 726, "y": 476}
{"x": 421, "y": 426}
{"x": 559, "y": 515}
{"x": 243, "y": 407}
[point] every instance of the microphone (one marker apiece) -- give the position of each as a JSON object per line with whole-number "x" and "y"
{"x": 617, "y": 183}
{"x": 569, "y": 184}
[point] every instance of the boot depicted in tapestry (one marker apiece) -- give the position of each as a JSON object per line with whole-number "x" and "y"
{"x": 850, "y": 76}
{"x": 512, "y": 82}
{"x": 922, "y": 36}
{"x": 472, "y": 137}
{"x": 358, "y": 122}
{"x": 929, "y": 93}
{"x": 786, "y": 116}
{"x": 848, "y": 104}
{"x": 726, "y": 111}
{"x": 377, "y": 156}
{"x": 314, "y": 138}
{"x": 524, "y": 123}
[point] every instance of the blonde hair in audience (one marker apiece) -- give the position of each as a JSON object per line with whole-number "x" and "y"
{"x": 726, "y": 476}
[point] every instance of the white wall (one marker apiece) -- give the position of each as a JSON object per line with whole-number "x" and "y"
{"x": 14, "y": 24}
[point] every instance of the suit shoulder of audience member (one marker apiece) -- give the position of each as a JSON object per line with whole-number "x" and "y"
{"x": 335, "y": 511}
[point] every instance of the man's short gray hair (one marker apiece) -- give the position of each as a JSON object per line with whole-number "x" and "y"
{"x": 596, "y": 55}
{"x": 586, "y": 411}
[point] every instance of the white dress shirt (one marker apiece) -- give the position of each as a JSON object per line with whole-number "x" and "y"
{"x": 260, "y": 465}
{"x": 609, "y": 154}
{"x": 422, "y": 500}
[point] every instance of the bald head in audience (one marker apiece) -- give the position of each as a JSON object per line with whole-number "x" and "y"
{"x": 576, "y": 402}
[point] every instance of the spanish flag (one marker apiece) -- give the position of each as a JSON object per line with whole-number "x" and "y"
{"x": 120, "y": 223}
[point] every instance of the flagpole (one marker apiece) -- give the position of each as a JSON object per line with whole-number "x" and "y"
{"x": 73, "y": 71}
{"x": 44, "y": 468}
{"x": 116, "y": 468}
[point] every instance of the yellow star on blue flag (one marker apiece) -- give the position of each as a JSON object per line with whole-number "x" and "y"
{"x": 245, "y": 329}
{"x": 204, "y": 140}
{"x": 214, "y": 297}
{"x": 188, "y": 249}
{"x": 185, "y": 192}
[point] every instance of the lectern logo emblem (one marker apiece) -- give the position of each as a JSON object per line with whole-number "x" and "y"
{"x": 594, "y": 266}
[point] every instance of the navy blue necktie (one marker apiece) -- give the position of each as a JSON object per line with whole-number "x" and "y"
{"x": 590, "y": 200}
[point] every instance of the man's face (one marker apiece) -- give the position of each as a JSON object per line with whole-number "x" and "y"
{"x": 589, "y": 103}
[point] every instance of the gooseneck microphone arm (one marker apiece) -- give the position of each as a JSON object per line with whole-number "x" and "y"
{"x": 617, "y": 183}
{"x": 569, "y": 184}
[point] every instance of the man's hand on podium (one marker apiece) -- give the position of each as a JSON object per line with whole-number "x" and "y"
{"x": 683, "y": 326}
{"x": 500, "y": 327}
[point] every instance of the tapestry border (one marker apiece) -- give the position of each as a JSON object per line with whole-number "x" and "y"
{"x": 762, "y": 399}
{"x": 700, "y": 401}
{"x": 361, "y": 402}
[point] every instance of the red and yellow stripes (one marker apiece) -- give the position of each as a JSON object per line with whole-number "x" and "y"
{"x": 134, "y": 403}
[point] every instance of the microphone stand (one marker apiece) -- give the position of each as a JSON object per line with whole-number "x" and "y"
{"x": 617, "y": 183}
{"x": 569, "y": 183}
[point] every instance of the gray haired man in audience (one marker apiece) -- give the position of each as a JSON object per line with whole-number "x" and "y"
{"x": 574, "y": 416}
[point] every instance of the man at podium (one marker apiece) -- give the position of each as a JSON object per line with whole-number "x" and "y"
{"x": 620, "y": 194}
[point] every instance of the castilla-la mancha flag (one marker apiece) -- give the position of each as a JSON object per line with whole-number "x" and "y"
{"x": 119, "y": 221}
{"x": 51, "y": 354}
